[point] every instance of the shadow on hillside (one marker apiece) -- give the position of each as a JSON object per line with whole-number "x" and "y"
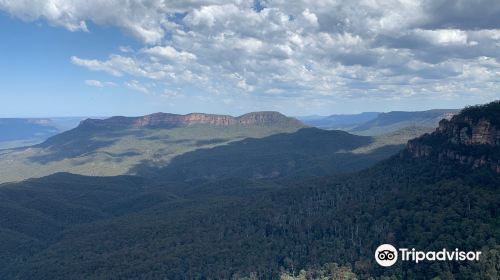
{"x": 71, "y": 149}
{"x": 307, "y": 152}
{"x": 79, "y": 142}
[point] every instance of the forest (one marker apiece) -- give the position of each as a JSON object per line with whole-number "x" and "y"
{"x": 233, "y": 226}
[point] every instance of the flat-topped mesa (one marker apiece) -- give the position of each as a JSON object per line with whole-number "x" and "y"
{"x": 172, "y": 120}
{"x": 471, "y": 137}
{"x": 167, "y": 120}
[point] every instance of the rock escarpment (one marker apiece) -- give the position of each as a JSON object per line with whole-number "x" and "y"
{"x": 172, "y": 120}
{"x": 471, "y": 137}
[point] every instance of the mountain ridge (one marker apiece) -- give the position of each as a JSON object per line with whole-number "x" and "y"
{"x": 378, "y": 123}
{"x": 390, "y": 121}
{"x": 110, "y": 147}
{"x": 175, "y": 120}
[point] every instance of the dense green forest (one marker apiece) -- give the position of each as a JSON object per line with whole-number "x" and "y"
{"x": 119, "y": 228}
{"x": 233, "y": 226}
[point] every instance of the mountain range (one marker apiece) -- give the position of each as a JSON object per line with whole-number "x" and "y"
{"x": 177, "y": 222}
{"x": 373, "y": 123}
{"x": 339, "y": 121}
{"x": 128, "y": 145}
{"x": 19, "y": 132}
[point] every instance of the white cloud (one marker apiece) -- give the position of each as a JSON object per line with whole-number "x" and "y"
{"x": 311, "y": 50}
{"x": 94, "y": 83}
{"x": 125, "y": 49}
{"x": 96, "y": 65}
{"x": 116, "y": 65}
{"x": 136, "y": 86}
{"x": 170, "y": 53}
{"x": 443, "y": 36}
{"x": 99, "y": 84}
{"x": 311, "y": 18}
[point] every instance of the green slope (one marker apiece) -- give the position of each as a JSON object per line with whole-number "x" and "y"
{"x": 116, "y": 147}
{"x": 307, "y": 152}
{"x": 113, "y": 146}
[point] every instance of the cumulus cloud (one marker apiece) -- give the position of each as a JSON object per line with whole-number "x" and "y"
{"x": 170, "y": 53}
{"x": 311, "y": 50}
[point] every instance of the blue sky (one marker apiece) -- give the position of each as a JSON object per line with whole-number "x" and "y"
{"x": 38, "y": 78}
{"x": 102, "y": 58}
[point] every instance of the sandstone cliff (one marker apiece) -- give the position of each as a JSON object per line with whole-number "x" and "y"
{"x": 471, "y": 137}
{"x": 166, "y": 120}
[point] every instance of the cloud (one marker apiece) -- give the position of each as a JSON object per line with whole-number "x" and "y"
{"x": 96, "y": 65}
{"x": 116, "y": 65}
{"x": 125, "y": 49}
{"x": 99, "y": 84}
{"x": 443, "y": 37}
{"x": 169, "y": 53}
{"x": 94, "y": 83}
{"x": 461, "y": 14}
{"x": 136, "y": 86}
{"x": 311, "y": 50}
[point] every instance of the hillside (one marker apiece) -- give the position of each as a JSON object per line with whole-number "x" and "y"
{"x": 342, "y": 122}
{"x": 113, "y": 146}
{"x": 470, "y": 138}
{"x": 259, "y": 145}
{"x": 307, "y": 152}
{"x": 392, "y": 121}
{"x": 375, "y": 124}
{"x": 69, "y": 226}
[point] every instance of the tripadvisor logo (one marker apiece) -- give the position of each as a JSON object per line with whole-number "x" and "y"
{"x": 387, "y": 255}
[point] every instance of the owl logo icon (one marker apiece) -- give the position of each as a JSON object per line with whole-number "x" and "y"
{"x": 386, "y": 255}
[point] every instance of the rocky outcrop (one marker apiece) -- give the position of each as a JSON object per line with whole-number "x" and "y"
{"x": 166, "y": 120}
{"x": 466, "y": 131}
{"x": 161, "y": 119}
{"x": 471, "y": 137}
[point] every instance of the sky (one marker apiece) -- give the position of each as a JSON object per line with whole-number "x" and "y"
{"x": 303, "y": 57}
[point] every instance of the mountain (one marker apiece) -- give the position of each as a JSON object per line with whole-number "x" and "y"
{"x": 342, "y": 122}
{"x": 392, "y": 121}
{"x": 67, "y": 123}
{"x": 123, "y": 145}
{"x": 236, "y": 227}
{"x": 254, "y": 145}
{"x": 165, "y": 120}
{"x": 18, "y": 132}
{"x": 113, "y": 146}
{"x": 375, "y": 124}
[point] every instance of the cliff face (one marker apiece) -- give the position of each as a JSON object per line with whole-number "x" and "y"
{"x": 471, "y": 137}
{"x": 172, "y": 120}
{"x": 469, "y": 132}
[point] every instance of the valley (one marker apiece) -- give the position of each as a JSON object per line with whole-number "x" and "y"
{"x": 124, "y": 146}
{"x": 249, "y": 140}
{"x": 207, "y": 211}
